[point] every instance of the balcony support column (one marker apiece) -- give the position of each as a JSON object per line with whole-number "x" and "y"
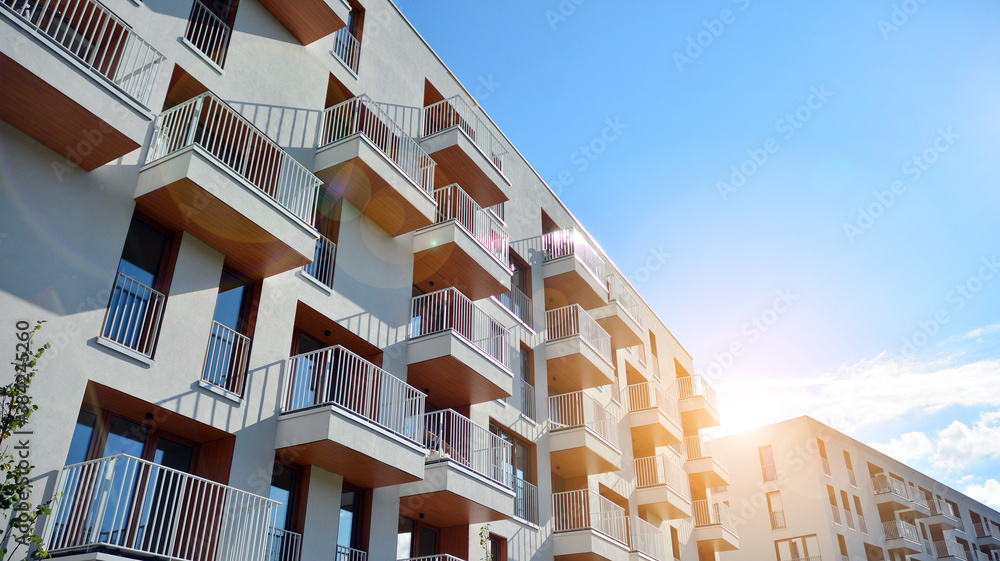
{"x": 319, "y": 536}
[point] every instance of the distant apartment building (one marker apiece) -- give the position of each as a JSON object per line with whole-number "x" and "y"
{"x": 809, "y": 492}
{"x": 306, "y": 301}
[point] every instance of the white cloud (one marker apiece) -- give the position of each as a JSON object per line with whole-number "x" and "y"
{"x": 907, "y": 448}
{"x": 988, "y": 493}
{"x": 953, "y": 449}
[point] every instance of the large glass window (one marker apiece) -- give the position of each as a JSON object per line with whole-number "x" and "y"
{"x": 83, "y": 434}
{"x": 349, "y": 531}
{"x": 125, "y": 437}
{"x": 173, "y": 455}
{"x": 142, "y": 255}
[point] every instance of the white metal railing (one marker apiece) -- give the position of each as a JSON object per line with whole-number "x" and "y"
{"x": 96, "y": 37}
{"x": 283, "y": 545}
{"x": 563, "y": 243}
{"x": 640, "y": 350}
{"x": 947, "y": 548}
{"x": 986, "y": 530}
{"x": 572, "y": 321}
{"x": 133, "y": 316}
{"x": 862, "y": 525}
{"x": 690, "y": 387}
{"x": 438, "y": 557}
{"x": 654, "y": 471}
{"x": 651, "y": 395}
{"x": 524, "y": 398}
{"x": 713, "y": 512}
{"x": 849, "y": 519}
{"x": 362, "y": 116}
{"x": 451, "y": 436}
{"x": 899, "y": 530}
{"x": 836, "y": 514}
{"x": 851, "y": 477}
{"x": 323, "y": 262}
{"x": 336, "y": 376}
{"x": 489, "y": 232}
{"x": 208, "y": 33}
{"x": 584, "y": 509}
{"x": 134, "y": 505}
{"x": 883, "y": 484}
{"x": 455, "y": 112}
{"x": 517, "y": 303}
{"x": 647, "y": 539}
{"x": 226, "y": 359}
{"x": 920, "y": 499}
{"x": 211, "y": 124}
{"x": 778, "y": 520}
{"x": 944, "y": 508}
{"x": 347, "y": 48}
{"x": 826, "y": 466}
{"x": 769, "y": 471}
{"x": 345, "y": 553}
{"x": 618, "y": 292}
{"x": 580, "y": 409}
{"x": 498, "y": 210}
{"x": 525, "y": 500}
{"x": 704, "y": 446}
{"x": 449, "y": 309}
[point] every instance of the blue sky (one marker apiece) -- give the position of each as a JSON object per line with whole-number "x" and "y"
{"x": 823, "y": 177}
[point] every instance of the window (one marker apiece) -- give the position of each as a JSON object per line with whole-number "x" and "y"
{"x": 523, "y": 472}
{"x": 850, "y": 469}
{"x": 83, "y": 434}
{"x": 228, "y": 353}
{"x": 796, "y": 549}
{"x": 102, "y": 436}
{"x": 349, "y": 529}
{"x": 498, "y": 547}
{"x": 656, "y": 358}
{"x": 776, "y": 510}
{"x": 833, "y": 505}
{"x": 862, "y": 526}
{"x": 675, "y": 543}
{"x": 414, "y": 539}
{"x": 823, "y": 459}
{"x": 843, "y": 545}
{"x": 284, "y": 480}
{"x": 767, "y": 469}
{"x": 209, "y": 28}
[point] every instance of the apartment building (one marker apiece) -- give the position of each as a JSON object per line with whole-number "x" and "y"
{"x": 306, "y": 301}
{"x": 809, "y": 492}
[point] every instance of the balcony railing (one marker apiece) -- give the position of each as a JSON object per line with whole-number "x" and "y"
{"x": 572, "y": 321}
{"x": 95, "y": 37}
{"x": 208, "y": 33}
{"x": 450, "y": 436}
{"x": 883, "y": 484}
{"x": 524, "y": 398}
{"x": 347, "y": 48}
{"x": 690, "y": 387}
{"x": 849, "y": 519}
{"x": 455, "y": 112}
{"x": 651, "y": 395}
{"x": 323, "y": 262}
{"x": 769, "y": 471}
{"x": 449, "y": 309}
{"x": 944, "y": 508}
{"x": 986, "y": 530}
{"x": 648, "y": 539}
{"x": 563, "y": 243}
{"x": 654, "y": 471}
{"x": 920, "y": 499}
{"x": 525, "y": 500}
{"x": 778, "y": 520}
{"x": 283, "y": 545}
{"x": 713, "y": 512}
{"x": 836, "y": 514}
{"x": 826, "y": 466}
{"x": 227, "y": 359}
{"x": 345, "y": 553}
{"x": 362, "y": 116}
{"x": 122, "y": 502}
{"x": 516, "y": 303}
{"x": 455, "y": 204}
{"x": 133, "y": 316}
{"x": 619, "y": 292}
{"x": 852, "y": 478}
{"x": 862, "y": 525}
{"x": 336, "y": 376}
{"x": 950, "y": 549}
{"x": 704, "y": 446}
{"x": 586, "y": 510}
{"x": 580, "y": 409}
{"x": 439, "y": 557}
{"x": 899, "y": 530}
{"x": 209, "y": 123}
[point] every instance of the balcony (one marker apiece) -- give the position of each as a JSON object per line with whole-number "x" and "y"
{"x": 987, "y": 535}
{"x": 583, "y": 438}
{"x": 943, "y": 516}
{"x": 284, "y": 545}
{"x": 919, "y": 508}
{"x": 635, "y": 358}
{"x": 698, "y": 403}
{"x": 902, "y": 537}
{"x": 348, "y": 416}
{"x": 706, "y": 461}
{"x": 347, "y": 49}
{"x": 577, "y": 350}
{"x": 345, "y": 553}
{"x": 891, "y": 492}
{"x": 587, "y": 526}
{"x": 309, "y": 20}
{"x": 714, "y": 528}
{"x": 226, "y": 362}
{"x": 466, "y": 150}
{"x": 524, "y": 399}
{"x": 662, "y": 488}
{"x": 132, "y": 320}
{"x": 324, "y": 260}
{"x": 518, "y": 304}
{"x": 573, "y": 271}
{"x": 208, "y": 35}
{"x": 91, "y": 105}
{"x": 210, "y": 172}
{"x": 456, "y": 350}
{"x": 127, "y": 505}
{"x": 950, "y": 551}
{"x": 365, "y": 158}
{"x": 648, "y": 542}
{"x": 622, "y": 316}
{"x": 468, "y": 479}
{"x": 525, "y": 501}
{"x": 467, "y": 247}
{"x": 653, "y": 415}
